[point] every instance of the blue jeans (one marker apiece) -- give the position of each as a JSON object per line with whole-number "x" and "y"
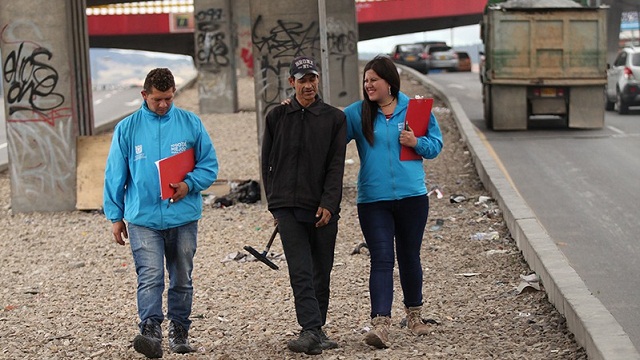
{"x": 381, "y": 222}
{"x": 150, "y": 248}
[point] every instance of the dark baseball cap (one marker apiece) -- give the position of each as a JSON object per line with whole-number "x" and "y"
{"x": 302, "y": 66}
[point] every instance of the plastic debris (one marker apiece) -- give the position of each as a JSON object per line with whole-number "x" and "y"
{"x": 528, "y": 283}
{"x": 359, "y": 247}
{"x": 438, "y": 225}
{"x": 437, "y": 192}
{"x": 457, "y": 198}
{"x": 493, "y": 235}
{"x": 482, "y": 200}
{"x": 470, "y": 274}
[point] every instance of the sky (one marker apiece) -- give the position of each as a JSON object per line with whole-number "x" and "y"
{"x": 459, "y": 36}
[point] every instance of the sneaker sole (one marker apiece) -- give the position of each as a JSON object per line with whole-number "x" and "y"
{"x": 313, "y": 351}
{"x": 147, "y": 347}
{"x": 182, "y": 349}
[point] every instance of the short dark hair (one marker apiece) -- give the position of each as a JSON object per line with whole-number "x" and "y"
{"x": 159, "y": 78}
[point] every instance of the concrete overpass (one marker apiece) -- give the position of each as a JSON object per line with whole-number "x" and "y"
{"x": 164, "y": 30}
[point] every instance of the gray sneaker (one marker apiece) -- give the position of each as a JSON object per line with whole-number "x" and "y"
{"x": 179, "y": 339}
{"x": 149, "y": 341}
{"x": 308, "y": 342}
{"x": 326, "y": 343}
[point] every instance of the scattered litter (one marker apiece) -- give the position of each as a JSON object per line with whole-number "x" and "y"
{"x": 234, "y": 256}
{"x": 457, "y": 198}
{"x": 349, "y": 162}
{"x": 493, "y": 235}
{"x": 247, "y": 192}
{"x": 493, "y": 252}
{"x": 482, "y": 200}
{"x": 437, "y": 192}
{"x": 438, "y": 225}
{"x": 528, "y": 283}
{"x": 359, "y": 247}
{"x": 468, "y": 274}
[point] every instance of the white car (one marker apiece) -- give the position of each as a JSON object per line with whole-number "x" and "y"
{"x": 440, "y": 56}
{"x": 623, "y": 76}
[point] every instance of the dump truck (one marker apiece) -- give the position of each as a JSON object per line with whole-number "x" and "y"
{"x": 544, "y": 60}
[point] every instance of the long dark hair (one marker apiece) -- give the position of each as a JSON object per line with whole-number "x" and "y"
{"x": 386, "y": 69}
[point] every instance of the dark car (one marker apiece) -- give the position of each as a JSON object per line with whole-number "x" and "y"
{"x": 411, "y": 55}
{"x": 623, "y": 81}
{"x": 464, "y": 61}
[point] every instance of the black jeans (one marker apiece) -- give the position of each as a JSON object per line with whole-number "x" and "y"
{"x": 309, "y": 252}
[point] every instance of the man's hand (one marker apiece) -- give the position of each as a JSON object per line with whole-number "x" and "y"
{"x": 323, "y": 215}
{"x": 119, "y": 230}
{"x": 182, "y": 189}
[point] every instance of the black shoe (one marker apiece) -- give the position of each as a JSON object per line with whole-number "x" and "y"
{"x": 308, "y": 342}
{"x": 178, "y": 339}
{"x": 327, "y": 343}
{"x": 149, "y": 342}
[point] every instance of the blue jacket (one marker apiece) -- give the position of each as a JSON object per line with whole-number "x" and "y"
{"x": 132, "y": 183}
{"x": 382, "y": 175}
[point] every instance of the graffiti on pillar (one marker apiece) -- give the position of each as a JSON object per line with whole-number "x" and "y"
{"x": 39, "y": 126}
{"x": 211, "y": 41}
{"x": 342, "y": 47}
{"x": 31, "y": 86}
{"x": 277, "y": 45}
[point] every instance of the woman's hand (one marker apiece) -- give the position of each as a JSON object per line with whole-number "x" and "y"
{"x": 407, "y": 137}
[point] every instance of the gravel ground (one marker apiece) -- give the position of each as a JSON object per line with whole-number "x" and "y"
{"x": 67, "y": 291}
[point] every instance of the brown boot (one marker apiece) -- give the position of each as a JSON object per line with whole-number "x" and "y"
{"x": 414, "y": 321}
{"x": 378, "y": 337}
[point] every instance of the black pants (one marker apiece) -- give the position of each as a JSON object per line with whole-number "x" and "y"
{"x": 309, "y": 252}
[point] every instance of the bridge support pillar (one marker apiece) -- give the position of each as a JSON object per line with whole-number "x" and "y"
{"x": 283, "y": 30}
{"x": 47, "y": 94}
{"x": 215, "y": 57}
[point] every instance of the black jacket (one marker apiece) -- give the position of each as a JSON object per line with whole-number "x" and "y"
{"x": 303, "y": 152}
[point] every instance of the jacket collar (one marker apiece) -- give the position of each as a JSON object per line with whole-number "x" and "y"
{"x": 148, "y": 112}
{"x": 314, "y": 108}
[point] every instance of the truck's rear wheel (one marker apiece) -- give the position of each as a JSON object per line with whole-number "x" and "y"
{"x": 486, "y": 100}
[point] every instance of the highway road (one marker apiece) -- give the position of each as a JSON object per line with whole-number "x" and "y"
{"x": 583, "y": 187}
{"x": 108, "y": 106}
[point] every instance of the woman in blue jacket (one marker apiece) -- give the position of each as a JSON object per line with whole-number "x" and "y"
{"x": 392, "y": 195}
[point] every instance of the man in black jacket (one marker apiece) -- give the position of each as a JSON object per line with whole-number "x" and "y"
{"x": 303, "y": 151}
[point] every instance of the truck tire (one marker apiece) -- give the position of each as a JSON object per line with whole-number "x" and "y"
{"x": 486, "y": 101}
{"x": 623, "y": 107}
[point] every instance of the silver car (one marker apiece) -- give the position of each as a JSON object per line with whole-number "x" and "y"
{"x": 441, "y": 56}
{"x": 623, "y": 81}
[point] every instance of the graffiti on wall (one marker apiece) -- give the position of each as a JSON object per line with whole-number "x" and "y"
{"x": 276, "y": 45}
{"x": 211, "y": 40}
{"x": 39, "y": 121}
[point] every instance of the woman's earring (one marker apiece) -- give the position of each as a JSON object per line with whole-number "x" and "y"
{"x": 389, "y": 90}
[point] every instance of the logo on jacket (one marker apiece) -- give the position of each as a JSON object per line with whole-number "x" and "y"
{"x": 139, "y": 153}
{"x": 177, "y": 148}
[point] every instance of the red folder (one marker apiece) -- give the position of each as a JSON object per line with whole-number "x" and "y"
{"x": 418, "y": 115}
{"x": 173, "y": 169}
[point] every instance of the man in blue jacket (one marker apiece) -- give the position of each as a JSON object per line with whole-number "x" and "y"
{"x": 159, "y": 229}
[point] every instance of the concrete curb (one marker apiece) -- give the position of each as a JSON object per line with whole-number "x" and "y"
{"x": 594, "y": 327}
